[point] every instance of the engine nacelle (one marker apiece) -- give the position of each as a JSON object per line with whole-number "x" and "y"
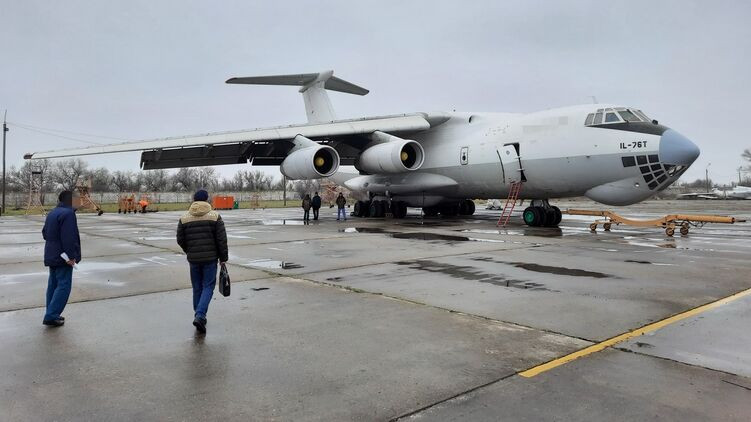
{"x": 313, "y": 162}
{"x": 395, "y": 156}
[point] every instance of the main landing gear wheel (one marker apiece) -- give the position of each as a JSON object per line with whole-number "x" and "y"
{"x": 684, "y": 229}
{"x": 670, "y": 231}
{"x": 377, "y": 209}
{"x": 361, "y": 209}
{"x": 430, "y": 211}
{"x": 449, "y": 210}
{"x": 467, "y": 207}
{"x": 537, "y": 216}
{"x": 399, "y": 209}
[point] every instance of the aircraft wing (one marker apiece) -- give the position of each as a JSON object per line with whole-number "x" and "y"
{"x": 265, "y": 146}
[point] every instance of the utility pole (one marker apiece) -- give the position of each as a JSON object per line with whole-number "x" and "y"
{"x": 5, "y": 129}
{"x": 706, "y": 175}
{"x": 284, "y": 182}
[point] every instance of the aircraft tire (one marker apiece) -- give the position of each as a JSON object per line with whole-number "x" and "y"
{"x": 381, "y": 207}
{"x": 430, "y": 211}
{"x": 373, "y": 209}
{"x": 450, "y": 210}
{"x": 558, "y": 216}
{"x": 543, "y": 217}
{"x": 530, "y": 216}
{"x": 552, "y": 216}
{"x": 399, "y": 209}
{"x": 357, "y": 211}
{"x": 470, "y": 207}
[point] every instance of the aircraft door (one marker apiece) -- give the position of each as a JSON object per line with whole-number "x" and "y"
{"x": 510, "y": 164}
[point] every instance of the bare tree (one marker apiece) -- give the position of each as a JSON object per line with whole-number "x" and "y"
{"x": 236, "y": 183}
{"x": 207, "y": 178}
{"x": 185, "y": 179}
{"x": 125, "y": 181}
{"x": 257, "y": 180}
{"x": 67, "y": 173}
{"x": 101, "y": 180}
{"x": 156, "y": 180}
{"x": 303, "y": 187}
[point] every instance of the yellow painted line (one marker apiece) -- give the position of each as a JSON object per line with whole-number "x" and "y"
{"x": 631, "y": 334}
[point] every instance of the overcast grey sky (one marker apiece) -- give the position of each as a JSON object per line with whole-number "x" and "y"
{"x": 147, "y": 69}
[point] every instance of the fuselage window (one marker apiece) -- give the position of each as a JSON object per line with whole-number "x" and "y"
{"x": 590, "y": 117}
{"x": 611, "y": 118}
{"x": 464, "y": 157}
{"x": 598, "y": 118}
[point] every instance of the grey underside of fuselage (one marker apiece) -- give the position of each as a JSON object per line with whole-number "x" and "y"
{"x": 546, "y": 178}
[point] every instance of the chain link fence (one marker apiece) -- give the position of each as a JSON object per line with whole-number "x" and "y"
{"x": 19, "y": 200}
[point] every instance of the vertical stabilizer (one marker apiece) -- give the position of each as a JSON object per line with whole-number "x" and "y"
{"x": 314, "y": 85}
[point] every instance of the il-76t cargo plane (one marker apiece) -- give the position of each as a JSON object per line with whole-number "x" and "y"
{"x": 612, "y": 154}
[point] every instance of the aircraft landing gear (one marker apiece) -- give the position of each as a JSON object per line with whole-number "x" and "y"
{"x": 379, "y": 209}
{"x": 542, "y": 214}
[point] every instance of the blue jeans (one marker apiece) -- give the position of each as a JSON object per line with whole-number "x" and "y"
{"x": 58, "y": 291}
{"x": 203, "y": 279}
{"x": 341, "y": 212}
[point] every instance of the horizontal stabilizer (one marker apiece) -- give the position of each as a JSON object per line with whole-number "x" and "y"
{"x": 332, "y": 83}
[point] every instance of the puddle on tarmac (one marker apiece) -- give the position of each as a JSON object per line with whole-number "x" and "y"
{"x": 538, "y": 268}
{"x": 442, "y": 237}
{"x": 282, "y": 222}
{"x": 538, "y": 232}
{"x": 636, "y": 261}
{"x": 470, "y": 273}
{"x": 272, "y": 264}
{"x": 363, "y": 230}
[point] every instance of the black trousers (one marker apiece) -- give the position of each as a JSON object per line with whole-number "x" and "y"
{"x": 315, "y": 213}
{"x": 306, "y": 215}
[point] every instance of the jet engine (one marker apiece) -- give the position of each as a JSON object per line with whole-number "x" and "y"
{"x": 395, "y": 156}
{"x": 312, "y": 162}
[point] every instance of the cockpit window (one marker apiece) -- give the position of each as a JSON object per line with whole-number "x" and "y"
{"x": 611, "y": 118}
{"x": 642, "y": 115}
{"x": 615, "y": 115}
{"x": 628, "y": 116}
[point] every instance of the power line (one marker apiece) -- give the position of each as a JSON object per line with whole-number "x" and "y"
{"x": 57, "y": 136}
{"x": 28, "y": 126}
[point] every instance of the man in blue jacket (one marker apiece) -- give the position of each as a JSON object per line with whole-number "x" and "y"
{"x": 61, "y": 236}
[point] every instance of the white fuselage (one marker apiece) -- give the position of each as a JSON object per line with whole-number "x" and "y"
{"x": 473, "y": 155}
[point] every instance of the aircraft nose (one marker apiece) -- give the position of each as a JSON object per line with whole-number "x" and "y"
{"x": 676, "y": 149}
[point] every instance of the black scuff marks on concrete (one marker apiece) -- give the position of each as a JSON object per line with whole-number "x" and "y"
{"x": 472, "y": 274}
{"x": 548, "y": 269}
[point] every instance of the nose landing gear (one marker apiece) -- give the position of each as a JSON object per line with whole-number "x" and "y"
{"x": 542, "y": 214}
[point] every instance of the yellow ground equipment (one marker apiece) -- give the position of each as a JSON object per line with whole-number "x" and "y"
{"x": 126, "y": 203}
{"x": 84, "y": 197}
{"x": 669, "y": 222}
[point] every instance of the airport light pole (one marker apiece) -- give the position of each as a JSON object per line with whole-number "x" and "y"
{"x": 5, "y": 129}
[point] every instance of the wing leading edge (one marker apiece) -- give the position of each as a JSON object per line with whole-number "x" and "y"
{"x": 265, "y": 146}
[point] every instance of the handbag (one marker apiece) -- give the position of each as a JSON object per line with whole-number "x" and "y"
{"x": 224, "y": 282}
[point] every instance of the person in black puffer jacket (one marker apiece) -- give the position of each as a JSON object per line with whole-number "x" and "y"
{"x": 203, "y": 238}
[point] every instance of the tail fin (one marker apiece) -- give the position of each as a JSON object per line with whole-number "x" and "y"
{"x": 314, "y": 86}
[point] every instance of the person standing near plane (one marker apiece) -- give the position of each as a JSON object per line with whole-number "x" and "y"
{"x": 62, "y": 250}
{"x": 316, "y": 204}
{"x": 306, "y": 203}
{"x": 203, "y": 238}
{"x": 340, "y": 203}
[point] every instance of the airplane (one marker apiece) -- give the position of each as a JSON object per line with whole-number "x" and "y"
{"x": 439, "y": 161}
{"x": 738, "y": 192}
